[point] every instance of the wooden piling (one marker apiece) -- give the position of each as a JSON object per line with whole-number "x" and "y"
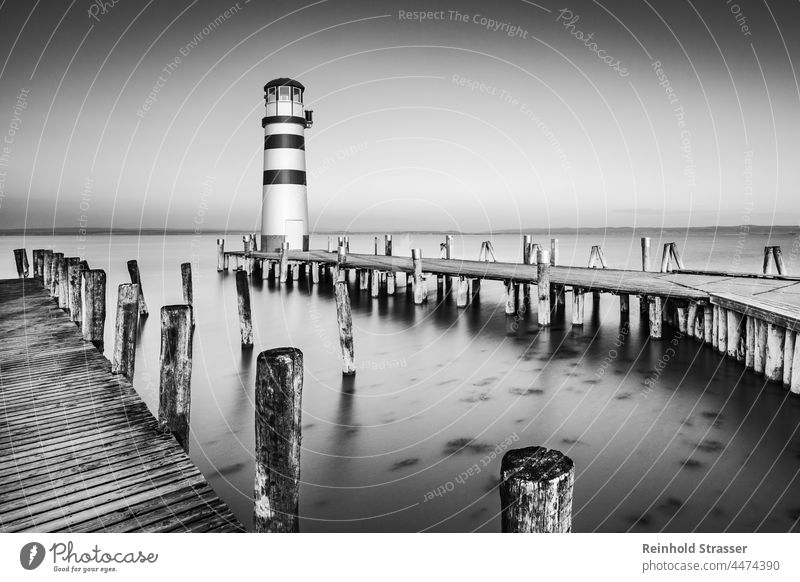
{"x": 510, "y": 297}
{"x": 93, "y": 306}
{"x": 577, "y": 306}
{"x": 222, "y": 260}
{"x": 691, "y": 320}
{"x": 283, "y": 274}
{"x": 295, "y": 271}
{"x": 788, "y": 357}
{"x": 734, "y": 328}
{"x": 21, "y": 259}
{"x": 722, "y": 331}
{"x": 38, "y": 262}
{"x": 314, "y": 273}
{"x": 175, "y": 396}
{"x": 779, "y": 264}
{"x": 186, "y": 283}
{"x": 750, "y": 341}
{"x": 344, "y": 315}
{"x": 527, "y": 259}
{"x": 683, "y": 317}
{"x": 624, "y": 307}
{"x": 768, "y": 267}
{"x": 655, "y": 308}
{"x": 773, "y": 364}
{"x": 708, "y": 323}
{"x": 62, "y": 286}
{"x": 543, "y": 286}
{"x": 794, "y": 387}
{"x": 47, "y": 267}
{"x": 666, "y": 257}
{"x": 420, "y": 292}
{"x": 462, "y": 292}
{"x": 133, "y": 271}
{"x": 278, "y": 406}
{"x": 243, "y": 302}
{"x": 124, "y": 357}
{"x": 536, "y": 491}
{"x": 760, "y": 347}
{"x": 391, "y": 276}
{"x": 645, "y": 253}
{"x": 55, "y": 270}
{"x": 75, "y": 275}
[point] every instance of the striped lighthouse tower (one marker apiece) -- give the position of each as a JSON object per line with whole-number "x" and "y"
{"x": 284, "y": 214}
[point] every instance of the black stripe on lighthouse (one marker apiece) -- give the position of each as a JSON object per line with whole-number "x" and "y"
{"x": 284, "y": 140}
{"x": 272, "y": 177}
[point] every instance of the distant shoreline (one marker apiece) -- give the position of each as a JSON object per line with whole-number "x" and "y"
{"x": 752, "y": 229}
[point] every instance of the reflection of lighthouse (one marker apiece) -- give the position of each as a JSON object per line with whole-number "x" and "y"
{"x": 284, "y": 215}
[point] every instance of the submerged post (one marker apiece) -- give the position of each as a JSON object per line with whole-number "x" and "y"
{"x": 536, "y": 491}
{"x": 21, "y": 259}
{"x": 93, "y": 307}
{"x": 124, "y": 357}
{"x": 174, "y": 403}
{"x": 344, "y": 315}
{"x": 543, "y": 286}
{"x": 243, "y": 302}
{"x": 279, "y": 392}
{"x": 133, "y": 270}
{"x": 222, "y": 263}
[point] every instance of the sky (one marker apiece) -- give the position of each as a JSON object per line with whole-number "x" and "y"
{"x": 469, "y": 116}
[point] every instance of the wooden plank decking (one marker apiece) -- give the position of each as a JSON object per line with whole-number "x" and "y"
{"x": 79, "y": 450}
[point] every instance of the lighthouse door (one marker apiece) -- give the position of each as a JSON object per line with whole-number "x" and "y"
{"x": 294, "y": 234}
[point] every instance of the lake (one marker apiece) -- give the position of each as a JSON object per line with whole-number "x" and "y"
{"x": 666, "y": 435}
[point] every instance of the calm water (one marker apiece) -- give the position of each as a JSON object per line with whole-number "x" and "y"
{"x": 702, "y": 445}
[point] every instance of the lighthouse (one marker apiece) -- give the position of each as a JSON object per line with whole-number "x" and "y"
{"x": 284, "y": 213}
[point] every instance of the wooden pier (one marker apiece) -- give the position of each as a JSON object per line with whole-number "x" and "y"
{"x": 753, "y": 318}
{"x": 79, "y": 450}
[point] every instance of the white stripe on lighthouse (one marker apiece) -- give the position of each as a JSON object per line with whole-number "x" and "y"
{"x": 284, "y": 159}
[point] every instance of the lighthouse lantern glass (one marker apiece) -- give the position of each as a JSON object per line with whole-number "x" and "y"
{"x": 284, "y": 93}
{"x": 271, "y": 95}
{"x": 297, "y": 95}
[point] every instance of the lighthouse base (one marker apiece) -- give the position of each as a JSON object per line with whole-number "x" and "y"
{"x": 273, "y": 242}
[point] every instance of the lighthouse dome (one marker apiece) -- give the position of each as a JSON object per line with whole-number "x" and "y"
{"x": 284, "y": 82}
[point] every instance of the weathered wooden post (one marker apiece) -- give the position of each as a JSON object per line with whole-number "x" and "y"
{"x": 133, "y": 271}
{"x": 390, "y": 275}
{"x": 243, "y": 302}
{"x": 779, "y": 264}
{"x": 21, "y": 259}
{"x": 536, "y": 491}
{"x": 75, "y": 276}
{"x": 644, "y": 303}
{"x": 773, "y": 365}
{"x": 420, "y": 292}
{"x": 722, "y": 331}
{"x": 527, "y": 259}
{"x": 55, "y": 270}
{"x": 734, "y": 325}
{"x": 175, "y": 396}
{"x": 375, "y": 280}
{"x": 314, "y": 273}
{"x": 788, "y": 357}
{"x": 278, "y": 404}
{"x": 222, "y": 263}
{"x": 655, "y": 308}
{"x": 708, "y": 323}
{"x": 794, "y": 387}
{"x": 683, "y": 317}
{"x": 63, "y": 281}
{"x": 284, "y": 263}
{"x": 344, "y": 315}
{"x": 462, "y": 292}
{"x": 556, "y": 291}
{"x": 38, "y": 260}
{"x": 510, "y": 297}
{"x": 577, "y": 306}
{"x": 750, "y": 349}
{"x": 295, "y": 271}
{"x": 186, "y": 283}
{"x": 124, "y": 357}
{"x": 543, "y": 286}
{"x": 624, "y": 307}
{"x": 666, "y": 259}
{"x": 93, "y": 306}
{"x": 676, "y": 256}
{"x": 769, "y": 267}
{"x": 47, "y": 267}
{"x": 760, "y": 348}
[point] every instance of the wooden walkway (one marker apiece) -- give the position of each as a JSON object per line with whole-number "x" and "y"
{"x": 79, "y": 450}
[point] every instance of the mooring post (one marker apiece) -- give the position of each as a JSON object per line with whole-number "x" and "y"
{"x": 536, "y": 491}
{"x": 655, "y": 308}
{"x": 243, "y": 302}
{"x": 222, "y": 264}
{"x": 21, "y": 259}
{"x": 773, "y": 365}
{"x": 62, "y": 291}
{"x": 643, "y": 301}
{"x": 344, "y": 314}
{"x": 391, "y": 277}
{"x": 676, "y": 256}
{"x": 768, "y": 268}
{"x": 124, "y": 357}
{"x": 175, "y": 396}
{"x": 543, "y": 286}
{"x": 37, "y": 255}
{"x": 375, "y": 276}
{"x": 186, "y": 283}
{"x": 136, "y": 277}
{"x": 788, "y": 357}
{"x": 556, "y": 291}
{"x": 47, "y": 261}
{"x": 420, "y": 292}
{"x": 666, "y": 258}
{"x": 527, "y": 259}
{"x": 58, "y": 258}
{"x": 74, "y": 274}
{"x": 93, "y": 306}
{"x": 577, "y": 306}
{"x": 278, "y": 404}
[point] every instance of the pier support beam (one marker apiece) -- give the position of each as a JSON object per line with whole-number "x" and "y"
{"x": 175, "y": 397}
{"x": 722, "y": 331}
{"x": 734, "y": 326}
{"x": 760, "y": 355}
{"x": 536, "y": 491}
{"x": 577, "y": 306}
{"x": 510, "y": 297}
{"x": 624, "y": 308}
{"x": 655, "y": 308}
{"x": 708, "y": 323}
{"x": 794, "y": 387}
{"x": 420, "y": 292}
{"x": 462, "y": 292}
{"x": 124, "y": 357}
{"x": 788, "y": 357}
{"x": 773, "y": 366}
{"x": 279, "y": 390}
{"x": 344, "y": 315}
{"x": 750, "y": 341}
